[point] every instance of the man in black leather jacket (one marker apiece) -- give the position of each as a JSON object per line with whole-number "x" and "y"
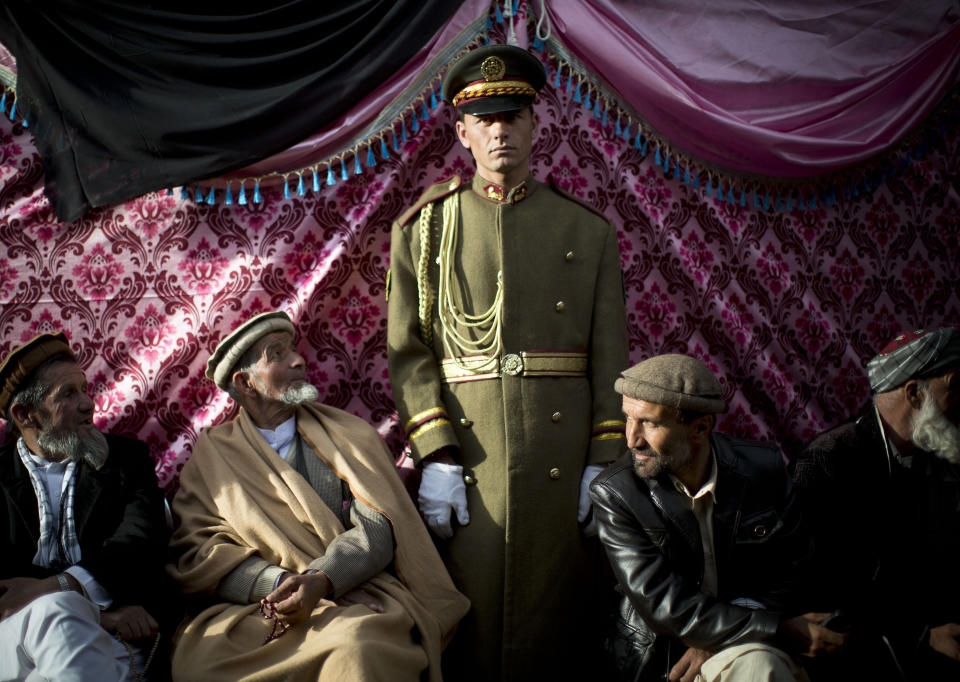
{"x": 704, "y": 537}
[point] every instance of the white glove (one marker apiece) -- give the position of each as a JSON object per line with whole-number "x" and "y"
{"x": 583, "y": 509}
{"x": 441, "y": 491}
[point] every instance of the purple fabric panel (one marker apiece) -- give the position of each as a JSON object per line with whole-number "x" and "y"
{"x": 789, "y": 92}
{"x": 342, "y": 132}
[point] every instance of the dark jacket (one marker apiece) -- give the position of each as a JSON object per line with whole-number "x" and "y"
{"x": 119, "y": 516}
{"x": 653, "y": 542}
{"x": 887, "y": 540}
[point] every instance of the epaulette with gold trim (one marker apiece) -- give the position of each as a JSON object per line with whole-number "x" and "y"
{"x": 432, "y": 193}
{"x": 575, "y": 199}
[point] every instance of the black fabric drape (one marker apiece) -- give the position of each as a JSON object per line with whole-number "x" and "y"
{"x": 126, "y": 99}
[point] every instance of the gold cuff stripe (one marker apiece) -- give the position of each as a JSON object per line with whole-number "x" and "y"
{"x": 619, "y": 423}
{"x": 494, "y": 89}
{"x": 425, "y": 416}
{"x": 531, "y": 364}
{"x": 429, "y": 426}
{"x": 609, "y": 436}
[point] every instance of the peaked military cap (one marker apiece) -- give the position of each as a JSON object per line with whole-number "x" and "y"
{"x": 492, "y": 79}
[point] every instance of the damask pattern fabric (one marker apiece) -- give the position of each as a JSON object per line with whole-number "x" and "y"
{"x": 785, "y": 307}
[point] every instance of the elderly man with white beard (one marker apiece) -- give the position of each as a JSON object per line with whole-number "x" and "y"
{"x": 305, "y": 555}
{"x": 882, "y": 497}
{"x": 82, "y": 529}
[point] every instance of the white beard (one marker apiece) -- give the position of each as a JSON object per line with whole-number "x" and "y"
{"x": 306, "y": 393}
{"x": 60, "y": 444}
{"x": 932, "y": 431}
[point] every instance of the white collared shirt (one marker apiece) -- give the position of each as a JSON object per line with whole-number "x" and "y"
{"x": 281, "y": 438}
{"x": 702, "y": 503}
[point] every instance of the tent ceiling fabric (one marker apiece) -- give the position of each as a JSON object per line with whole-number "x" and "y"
{"x": 125, "y": 99}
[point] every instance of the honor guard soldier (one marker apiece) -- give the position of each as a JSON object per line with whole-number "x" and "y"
{"x": 506, "y": 331}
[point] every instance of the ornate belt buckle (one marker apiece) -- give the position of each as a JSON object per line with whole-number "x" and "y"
{"x": 512, "y": 364}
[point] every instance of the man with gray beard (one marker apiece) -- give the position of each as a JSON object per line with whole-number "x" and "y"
{"x": 882, "y": 497}
{"x": 304, "y": 554}
{"x": 82, "y": 528}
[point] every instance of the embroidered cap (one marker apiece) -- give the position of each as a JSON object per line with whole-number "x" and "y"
{"x": 675, "y": 380}
{"x": 918, "y": 354}
{"x": 22, "y": 360}
{"x": 229, "y": 351}
{"x": 492, "y": 79}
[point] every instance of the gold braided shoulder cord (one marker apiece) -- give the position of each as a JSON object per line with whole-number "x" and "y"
{"x": 452, "y": 317}
{"x": 423, "y": 279}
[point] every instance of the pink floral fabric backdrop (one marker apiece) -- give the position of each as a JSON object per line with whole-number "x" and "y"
{"x": 786, "y": 307}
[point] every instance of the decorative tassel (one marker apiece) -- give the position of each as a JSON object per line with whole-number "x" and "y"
{"x": 424, "y": 114}
{"x": 331, "y": 178}
{"x": 686, "y": 175}
{"x": 396, "y": 147}
{"x": 656, "y": 159}
{"x": 256, "y": 193}
{"x": 3, "y": 101}
{"x": 569, "y": 79}
{"x": 499, "y": 14}
{"x": 626, "y": 130}
{"x": 229, "y": 198}
{"x": 25, "y": 123}
{"x": 606, "y": 110}
{"x": 743, "y": 197}
{"x": 316, "y": 181}
{"x": 779, "y": 203}
{"x": 643, "y": 149}
{"x": 403, "y": 130}
{"x": 13, "y": 109}
{"x": 720, "y": 191}
{"x": 856, "y": 190}
{"x": 184, "y": 194}
{"x": 709, "y": 185}
{"x": 730, "y": 196}
{"x": 383, "y": 149}
{"x": 696, "y": 180}
{"x": 576, "y": 95}
{"x": 537, "y": 43}
{"x": 242, "y": 199}
{"x": 790, "y": 203}
{"x": 666, "y": 164}
{"x": 414, "y": 123}
{"x": 343, "y": 171}
{"x": 617, "y": 130}
{"x": 586, "y": 100}
{"x": 357, "y": 168}
{"x": 433, "y": 99}
{"x": 198, "y": 198}
{"x": 371, "y": 159}
{"x": 556, "y": 78}
{"x": 812, "y": 205}
{"x": 170, "y": 191}
{"x": 766, "y": 201}
{"x": 300, "y": 189}
{"x": 211, "y": 198}
{"x": 286, "y": 189}
{"x": 799, "y": 202}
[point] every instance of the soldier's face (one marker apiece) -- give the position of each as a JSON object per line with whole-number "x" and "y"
{"x": 500, "y": 143}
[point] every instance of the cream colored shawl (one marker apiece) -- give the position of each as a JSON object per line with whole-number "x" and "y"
{"x": 237, "y": 498}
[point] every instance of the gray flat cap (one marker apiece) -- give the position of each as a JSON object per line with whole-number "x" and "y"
{"x": 675, "y": 380}
{"x": 229, "y": 351}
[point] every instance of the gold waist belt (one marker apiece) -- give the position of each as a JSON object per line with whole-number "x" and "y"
{"x": 525, "y": 364}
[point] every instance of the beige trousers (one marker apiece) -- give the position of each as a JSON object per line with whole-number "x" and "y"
{"x": 752, "y": 662}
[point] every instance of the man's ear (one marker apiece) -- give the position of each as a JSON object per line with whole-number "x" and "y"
{"x": 462, "y": 134}
{"x": 22, "y": 417}
{"x": 913, "y": 393}
{"x": 702, "y": 425}
{"x": 242, "y": 384}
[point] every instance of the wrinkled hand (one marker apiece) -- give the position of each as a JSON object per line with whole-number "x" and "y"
{"x": 807, "y": 637}
{"x": 583, "y": 508}
{"x": 297, "y": 595}
{"x": 442, "y": 491}
{"x": 688, "y": 667}
{"x": 131, "y": 622}
{"x": 362, "y": 598}
{"x": 943, "y": 639}
{"x": 15, "y": 593}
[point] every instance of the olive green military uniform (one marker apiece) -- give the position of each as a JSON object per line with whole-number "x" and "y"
{"x": 526, "y": 428}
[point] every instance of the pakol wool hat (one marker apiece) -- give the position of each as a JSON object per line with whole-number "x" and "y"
{"x": 919, "y": 354}
{"x": 492, "y": 79}
{"x": 23, "y": 360}
{"x": 229, "y": 351}
{"x": 675, "y": 380}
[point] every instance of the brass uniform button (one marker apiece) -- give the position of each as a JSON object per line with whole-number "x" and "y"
{"x": 554, "y": 473}
{"x": 569, "y": 256}
{"x": 555, "y": 417}
{"x": 465, "y": 423}
{"x": 469, "y": 480}
{"x": 560, "y": 306}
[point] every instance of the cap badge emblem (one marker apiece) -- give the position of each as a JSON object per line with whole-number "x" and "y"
{"x": 492, "y": 69}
